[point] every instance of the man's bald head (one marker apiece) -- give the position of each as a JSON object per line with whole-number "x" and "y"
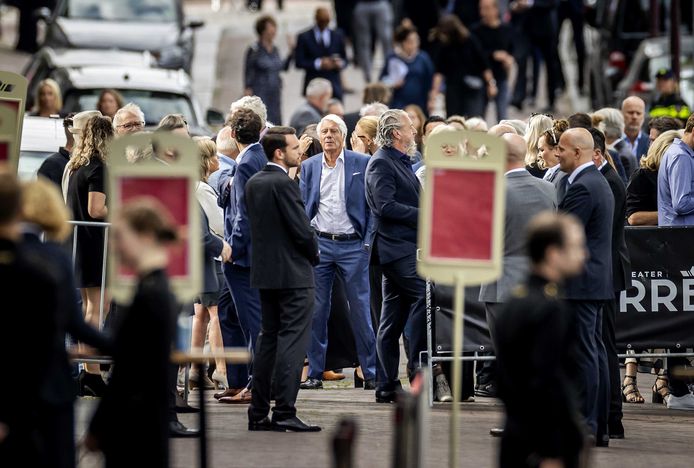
{"x": 634, "y": 112}
{"x": 322, "y": 18}
{"x": 515, "y": 150}
{"x": 499, "y": 130}
{"x": 575, "y": 149}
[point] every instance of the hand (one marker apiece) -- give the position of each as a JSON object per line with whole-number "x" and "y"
{"x": 338, "y": 63}
{"x": 357, "y": 144}
{"x": 90, "y": 442}
{"x": 327, "y": 63}
{"x": 226, "y": 252}
{"x": 499, "y": 55}
{"x": 304, "y": 143}
{"x": 291, "y": 42}
{"x": 491, "y": 90}
{"x": 551, "y": 463}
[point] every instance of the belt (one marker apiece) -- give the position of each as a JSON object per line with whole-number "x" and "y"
{"x": 338, "y": 237}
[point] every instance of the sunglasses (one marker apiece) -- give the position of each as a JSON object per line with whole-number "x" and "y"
{"x": 541, "y": 113}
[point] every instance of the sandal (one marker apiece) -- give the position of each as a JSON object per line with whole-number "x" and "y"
{"x": 630, "y": 392}
{"x": 660, "y": 392}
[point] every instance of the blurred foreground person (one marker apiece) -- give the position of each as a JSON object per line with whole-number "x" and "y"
{"x": 23, "y": 273}
{"x": 131, "y": 424}
{"x": 535, "y": 343}
{"x": 44, "y": 212}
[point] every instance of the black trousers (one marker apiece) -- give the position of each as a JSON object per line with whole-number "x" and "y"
{"x": 486, "y": 370}
{"x": 57, "y": 429}
{"x": 282, "y": 344}
{"x": 547, "y": 47}
{"x": 609, "y": 318}
{"x": 404, "y": 294}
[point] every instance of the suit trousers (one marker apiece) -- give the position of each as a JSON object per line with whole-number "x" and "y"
{"x": 280, "y": 350}
{"x": 404, "y": 294}
{"x": 609, "y": 319}
{"x": 350, "y": 260}
{"x": 372, "y": 16}
{"x": 232, "y": 336}
{"x": 592, "y": 374}
{"x": 56, "y": 425}
{"x": 247, "y": 302}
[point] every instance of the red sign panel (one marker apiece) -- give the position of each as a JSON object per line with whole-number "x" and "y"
{"x": 463, "y": 211}
{"x": 4, "y": 151}
{"x": 171, "y": 192}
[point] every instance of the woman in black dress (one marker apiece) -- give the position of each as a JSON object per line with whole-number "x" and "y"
{"x": 131, "y": 425}
{"x": 86, "y": 198}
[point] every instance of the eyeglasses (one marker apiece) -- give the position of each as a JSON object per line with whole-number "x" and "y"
{"x": 131, "y": 125}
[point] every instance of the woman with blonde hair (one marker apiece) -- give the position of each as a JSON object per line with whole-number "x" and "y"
{"x": 86, "y": 198}
{"x": 206, "y": 304}
{"x": 48, "y": 99}
{"x": 43, "y": 212}
{"x": 548, "y": 148}
{"x": 364, "y": 135}
{"x": 537, "y": 125}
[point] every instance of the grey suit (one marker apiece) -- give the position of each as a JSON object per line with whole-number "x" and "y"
{"x": 303, "y": 116}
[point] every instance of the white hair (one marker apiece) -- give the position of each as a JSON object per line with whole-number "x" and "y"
{"x": 252, "y": 103}
{"x": 225, "y": 143}
{"x": 129, "y": 109}
{"x": 611, "y": 122}
{"x": 476, "y": 124}
{"x": 387, "y": 124}
{"x": 377, "y": 109}
{"x": 336, "y": 120}
{"x": 318, "y": 87}
{"x": 518, "y": 125}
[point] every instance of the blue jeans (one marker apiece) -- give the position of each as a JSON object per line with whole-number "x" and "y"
{"x": 232, "y": 335}
{"x": 350, "y": 260}
{"x": 500, "y": 100}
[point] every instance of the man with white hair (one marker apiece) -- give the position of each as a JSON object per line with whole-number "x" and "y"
{"x": 332, "y": 187}
{"x": 128, "y": 119}
{"x": 252, "y": 103}
{"x": 318, "y": 94}
{"x": 392, "y": 192}
{"x": 227, "y": 152}
{"x": 610, "y": 121}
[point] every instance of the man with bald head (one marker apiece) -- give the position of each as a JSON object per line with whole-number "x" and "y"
{"x": 587, "y": 195}
{"x": 526, "y": 196}
{"x": 634, "y": 112}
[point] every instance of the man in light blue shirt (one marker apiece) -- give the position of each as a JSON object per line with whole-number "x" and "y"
{"x": 676, "y": 181}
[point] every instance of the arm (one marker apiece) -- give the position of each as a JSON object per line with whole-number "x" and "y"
{"x": 288, "y": 199}
{"x": 381, "y": 181}
{"x": 681, "y": 185}
{"x": 301, "y": 56}
{"x": 96, "y": 205}
{"x": 241, "y": 231}
{"x": 249, "y": 71}
{"x": 213, "y": 245}
{"x": 96, "y": 200}
{"x": 643, "y": 218}
{"x": 303, "y": 182}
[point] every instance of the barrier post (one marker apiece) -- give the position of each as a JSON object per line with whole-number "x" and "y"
{"x": 458, "y": 300}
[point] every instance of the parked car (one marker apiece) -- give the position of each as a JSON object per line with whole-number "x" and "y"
{"x": 41, "y": 137}
{"x": 651, "y": 56}
{"x": 47, "y": 60}
{"x": 157, "y": 26}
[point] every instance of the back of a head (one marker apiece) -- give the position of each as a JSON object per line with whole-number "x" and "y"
{"x": 520, "y": 126}
{"x": 387, "y": 124}
{"x": 208, "y": 151}
{"x": 253, "y": 103}
{"x": 172, "y": 122}
{"x": 43, "y": 205}
{"x": 246, "y": 126}
{"x": 376, "y": 92}
{"x": 664, "y": 124}
{"x": 376, "y": 109}
{"x": 274, "y": 139}
{"x": 547, "y": 229}
{"x": 598, "y": 139}
{"x": 148, "y": 216}
{"x": 369, "y": 125}
{"x": 553, "y": 135}
{"x": 502, "y": 129}
{"x": 319, "y": 87}
{"x": 537, "y": 125}
{"x": 10, "y": 198}
{"x": 476, "y": 124}
{"x": 515, "y": 148}
{"x": 609, "y": 121}
{"x": 79, "y": 120}
{"x": 97, "y": 134}
{"x": 580, "y": 120}
{"x": 225, "y": 142}
{"x": 446, "y": 128}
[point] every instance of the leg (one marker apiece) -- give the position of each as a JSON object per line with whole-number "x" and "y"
{"x": 609, "y": 317}
{"x": 354, "y": 268}
{"x": 602, "y": 407}
{"x": 393, "y": 321}
{"x": 362, "y": 34}
{"x": 487, "y": 374}
{"x": 324, "y": 275}
{"x": 577, "y": 26}
{"x": 216, "y": 341}
{"x": 200, "y": 322}
{"x": 521, "y": 54}
{"x": 232, "y": 335}
{"x": 265, "y": 355}
{"x": 295, "y": 307}
{"x": 246, "y": 301}
{"x": 501, "y": 100}
{"x": 383, "y": 22}
{"x": 376, "y": 297}
{"x": 587, "y": 366}
{"x": 91, "y": 299}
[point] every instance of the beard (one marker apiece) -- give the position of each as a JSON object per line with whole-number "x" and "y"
{"x": 632, "y": 128}
{"x": 411, "y": 149}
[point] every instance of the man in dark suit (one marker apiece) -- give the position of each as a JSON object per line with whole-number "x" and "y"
{"x": 392, "y": 191}
{"x": 332, "y": 187}
{"x": 634, "y": 112}
{"x": 526, "y": 196}
{"x": 245, "y": 129}
{"x": 621, "y": 267}
{"x": 320, "y": 51}
{"x": 588, "y": 197}
{"x": 282, "y": 269}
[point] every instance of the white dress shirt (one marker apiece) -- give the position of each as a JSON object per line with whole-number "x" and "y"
{"x": 332, "y": 215}
{"x": 323, "y": 35}
{"x": 578, "y": 170}
{"x": 270, "y": 163}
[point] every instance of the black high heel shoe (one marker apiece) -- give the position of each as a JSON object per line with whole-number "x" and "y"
{"x": 358, "y": 381}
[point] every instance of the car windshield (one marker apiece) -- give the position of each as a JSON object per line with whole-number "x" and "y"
{"x": 29, "y": 163}
{"x": 154, "y": 104}
{"x": 160, "y": 11}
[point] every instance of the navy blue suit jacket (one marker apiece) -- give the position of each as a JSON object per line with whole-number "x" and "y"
{"x": 237, "y": 231}
{"x": 392, "y": 192}
{"x": 308, "y": 50}
{"x": 357, "y": 208}
{"x": 642, "y": 146}
{"x": 590, "y": 199}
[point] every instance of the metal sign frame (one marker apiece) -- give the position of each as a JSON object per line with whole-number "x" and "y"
{"x": 13, "y": 98}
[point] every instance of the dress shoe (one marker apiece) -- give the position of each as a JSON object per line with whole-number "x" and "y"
{"x": 311, "y": 384}
{"x": 91, "y": 384}
{"x": 386, "y": 396}
{"x": 370, "y": 384}
{"x": 331, "y": 375}
{"x": 616, "y": 430}
{"x": 178, "y": 430}
{"x": 602, "y": 440}
{"x": 263, "y": 425}
{"x": 241, "y": 398}
{"x": 186, "y": 408}
{"x": 293, "y": 424}
{"x": 486, "y": 390}
{"x": 229, "y": 392}
{"x": 496, "y": 431}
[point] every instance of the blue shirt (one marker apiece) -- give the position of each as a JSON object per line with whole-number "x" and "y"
{"x": 676, "y": 186}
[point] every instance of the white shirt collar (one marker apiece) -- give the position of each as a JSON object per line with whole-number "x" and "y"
{"x": 578, "y": 170}
{"x": 340, "y": 158}
{"x": 513, "y": 171}
{"x": 275, "y": 164}
{"x": 243, "y": 151}
{"x": 602, "y": 165}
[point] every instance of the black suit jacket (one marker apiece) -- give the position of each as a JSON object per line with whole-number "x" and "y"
{"x": 285, "y": 244}
{"x": 212, "y": 247}
{"x": 308, "y": 50}
{"x": 589, "y": 199}
{"x": 621, "y": 264}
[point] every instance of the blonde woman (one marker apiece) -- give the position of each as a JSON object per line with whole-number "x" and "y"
{"x": 537, "y": 125}
{"x": 48, "y": 99}
{"x": 548, "y": 148}
{"x": 364, "y": 135}
{"x": 206, "y": 317}
{"x": 86, "y": 199}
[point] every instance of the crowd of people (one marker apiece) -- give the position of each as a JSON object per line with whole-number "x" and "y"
{"x": 310, "y": 246}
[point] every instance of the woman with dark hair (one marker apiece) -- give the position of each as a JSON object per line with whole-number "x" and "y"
{"x": 262, "y": 68}
{"x": 86, "y": 198}
{"x": 461, "y": 61}
{"x": 109, "y": 102}
{"x": 131, "y": 424}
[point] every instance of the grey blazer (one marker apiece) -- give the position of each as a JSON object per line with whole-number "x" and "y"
{"x": 303, "y": 116}
{"x": 526, "y": 196}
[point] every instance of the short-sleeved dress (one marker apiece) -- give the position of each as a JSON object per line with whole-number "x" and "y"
{"x": 90, "y": 240}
